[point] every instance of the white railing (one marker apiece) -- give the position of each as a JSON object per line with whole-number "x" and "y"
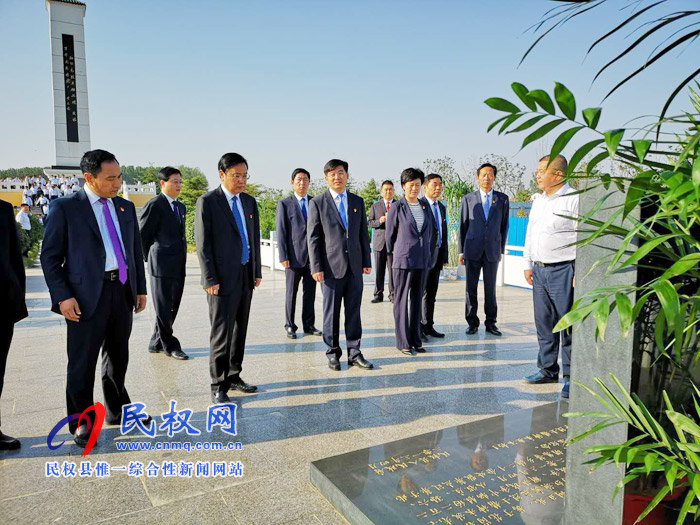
{"x": 510, "y": 269}
{"x": 148, "y": 188}
{"x": 11, "y": 186}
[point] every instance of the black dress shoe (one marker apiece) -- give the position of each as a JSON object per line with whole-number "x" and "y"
{"x": 408, "y": 351}
{"x": 361, "y": 362}
{"x": 334, "y": 364}
{"x": 291, "y": 333}
{"x": 81, "y": 436}
{"x": 377, "y": 299}
{"x": 423, "y": 337}
{"x": 243, "y": 387}
{"x": 313, "y": 331}
{"x": 219, "y": 397}
{"x": 472, "y": 330}
{"x": 179, "y": 354}
{"x": 8, "y": 443}
{"x": 155, "y": 350}
{"x": 419, "y": 349}
{"x": 539, "y": 378}
{"x": 493, "y": 329}
{"x": 434, "y": 333}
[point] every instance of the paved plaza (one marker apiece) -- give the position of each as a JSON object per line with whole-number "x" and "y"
{"x": 303, "y": 411}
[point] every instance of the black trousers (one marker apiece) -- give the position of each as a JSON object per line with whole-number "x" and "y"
{"x": 381, "y": 262}
{"x": 552, "y": 297}
{"x": 228, "y": 315}
{"x": 432, "y": 281}
{"x": 292, "y": 278}
{"x": 107, "y": 330}
{"x": 346, "y": 291}
{"x": 490, "y": 269}
{"x": 167, "y": 294}
{"x": 6, "y": 330}
{"x": 408, "y": 298}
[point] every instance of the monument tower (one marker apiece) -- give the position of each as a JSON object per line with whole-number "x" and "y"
{"x": 69, "y": 79}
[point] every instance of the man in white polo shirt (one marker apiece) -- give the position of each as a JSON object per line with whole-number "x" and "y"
{"x": 549, "y": 267}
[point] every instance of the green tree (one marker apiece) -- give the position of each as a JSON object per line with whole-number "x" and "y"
{"x": 369, "y": 193}
{"x": 10, "y": 173}
{"x": 192, "y": 188}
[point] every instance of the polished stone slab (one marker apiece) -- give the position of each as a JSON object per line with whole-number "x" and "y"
{"x": 507, "y": 469}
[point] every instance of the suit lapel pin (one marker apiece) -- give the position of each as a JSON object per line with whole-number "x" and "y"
{"x": 251, "y": 215}
{"x": 354, "y": 210}
{"x": 121, "y": 209}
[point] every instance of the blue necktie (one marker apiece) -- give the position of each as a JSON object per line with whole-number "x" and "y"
{"x": 341, "y": 211}
{"x": 487, "y": 205}
{"x": 241, "y": 229}
{"x": 177, "y": 215}
{"x": 303, "y": 209}
{"x": 437, "y": 223}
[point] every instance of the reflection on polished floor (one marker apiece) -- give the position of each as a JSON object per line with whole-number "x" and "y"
{"x": 302, "y": 413}
{"x": 508, "y": 469}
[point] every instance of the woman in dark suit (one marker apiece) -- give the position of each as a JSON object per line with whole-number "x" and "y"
{"x": 410, "y": 234}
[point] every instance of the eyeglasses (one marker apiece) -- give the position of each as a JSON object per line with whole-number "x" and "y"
{"x": 239, "y": 176}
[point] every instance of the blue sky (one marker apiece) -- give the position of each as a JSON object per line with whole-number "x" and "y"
{"x": 381, "y": 84}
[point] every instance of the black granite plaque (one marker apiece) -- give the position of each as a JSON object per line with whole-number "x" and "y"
{"x": 505, "y": 469}
{"x": 70, "y": 89}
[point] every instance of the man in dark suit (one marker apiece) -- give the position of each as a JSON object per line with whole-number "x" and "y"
{"x": 164, "y": 245}
{"x": 483, "y": 232}
{"x": 12, "y": 291}
{"x": 382, "y": 260}
{"x": 93, "y": 265}
{"x": 292, "y": 216}
{"x": 227, "y": 233}
{"x": 432, "y": 189}
{"x": 339, "y": 256}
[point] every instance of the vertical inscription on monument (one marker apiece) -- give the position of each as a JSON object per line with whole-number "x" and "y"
{"x": 70, "y": 89}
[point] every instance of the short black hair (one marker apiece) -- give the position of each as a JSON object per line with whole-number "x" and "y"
{"x": 92, "y": 161}
{"x": 298, "y": 171}
{"x": 487, "y": 165}
{"x": 410, "y": 174}
{"x": 228, "y": 160}
{"x": 433, "y": 176}
{"x": 333, "y": 164}
{"x": 24, "y": 204}
{"x": 390, "y": 183}
{"x": 166, "y": 172}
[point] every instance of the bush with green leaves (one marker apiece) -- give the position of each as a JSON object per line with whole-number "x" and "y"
{"x": 663, "y": 179}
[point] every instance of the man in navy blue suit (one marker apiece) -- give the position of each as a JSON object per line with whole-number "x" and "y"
{"x": 292, "y": 216}
{"x": 92, "y": 261}
{"x": 339, "y": 256}
{"x": 483, "y": 232}
{"x": 165, "y": 248}
{"x": 13, "y": 287}
{"x": 227, "y": 233}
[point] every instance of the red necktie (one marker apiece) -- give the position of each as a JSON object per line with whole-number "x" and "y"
{"x": 387, "y": 208}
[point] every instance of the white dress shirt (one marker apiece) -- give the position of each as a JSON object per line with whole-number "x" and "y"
{"x": 241, "y": 211}
{"x": 23, "y": 219}
{"x": 110, "y": 257}
{"x": 548, "y": 234}
{"x": 336, "y": 199}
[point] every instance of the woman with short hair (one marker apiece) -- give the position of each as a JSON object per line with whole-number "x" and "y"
{"x": 410, "y": 234}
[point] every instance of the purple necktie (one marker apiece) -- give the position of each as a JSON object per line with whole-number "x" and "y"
{"x": 114, "y": 239}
